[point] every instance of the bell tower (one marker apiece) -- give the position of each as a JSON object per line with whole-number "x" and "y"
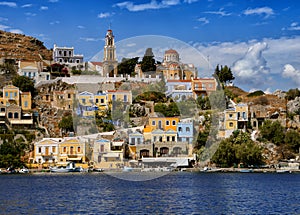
{"x": 110, "y": 63}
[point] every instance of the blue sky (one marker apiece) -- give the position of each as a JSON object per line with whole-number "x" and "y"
{"x": 258, "y": 39}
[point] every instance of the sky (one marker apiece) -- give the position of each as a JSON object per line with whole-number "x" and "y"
{"x": 258, "y": 39}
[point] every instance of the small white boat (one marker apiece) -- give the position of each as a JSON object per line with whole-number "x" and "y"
{"x": 127, "y": 169}
{"x": 283, "y": 171}
{"x": 24, "y": 170}
{"x": 208, "y": 169}
{"x": 69, "y": 168}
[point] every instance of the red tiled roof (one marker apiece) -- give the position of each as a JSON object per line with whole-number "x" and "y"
{"x": 97, "y": 63}
{"x": 171, "y": 51}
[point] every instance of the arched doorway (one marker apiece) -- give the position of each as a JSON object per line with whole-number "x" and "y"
{"x": 164, "y": 151}
{"x": 144, "y": 153}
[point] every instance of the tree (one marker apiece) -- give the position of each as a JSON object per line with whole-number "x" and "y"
{"x": 66, "y": 123}
{"x": 272, "y": 131}
{"x": 292, "y": 94}
{"x": 127, "y": 66}
{"x": 224, "y": 74}
{"x": 24, "y": 83}
{"x": 292, "y": 138}
{"x": 148, "y": 62}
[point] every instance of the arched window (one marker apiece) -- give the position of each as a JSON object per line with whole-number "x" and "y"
{"x": 10, "y": 115}
{"x": 16, "y": 115}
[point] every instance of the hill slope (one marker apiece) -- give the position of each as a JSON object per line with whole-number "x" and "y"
{"x": 21, "y": 47}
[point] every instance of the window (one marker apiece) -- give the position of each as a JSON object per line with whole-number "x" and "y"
{"x": 10, "y": 115}
{"x": 97, "y": 100}
{"x": 15, "y": 94}
{"x": 70, "y": 53}
{"x": 16, "y": 115}
{"x": 69, "y": 95}
{"x": 125, "y": 98}
{"x": 65, "y": 53}
{"x": 59, "y": 52}
{"x": 102, "y": 101}
{"x": 26, "y": 103}
{"x": 101, "y": 148}
{"x": 83, "y": 101}
{"x": 179, "y": 129}
{"x": 53, "y": 149}
{"x": 132, "y": 141}
{"x": 168, "y": 138}
{"x": 6, "y": 94}
{"x": 173, "y": 138}
{"x": 40, "y": 150}
{"x": 153, "y": 122}
{"x": 71, "y": 150}
{"x": 173, "y": 122}
{"x": 65, "y": 149}
{"x": 167, "y": 122}
{"x": 231, "y": 124}
{"x": 78, "y": 149}
{"x": 187, "y": 129}
{"x": 138, "y": 140}
{"x": 230, "y": 115}
{"x": 114, "y": 97}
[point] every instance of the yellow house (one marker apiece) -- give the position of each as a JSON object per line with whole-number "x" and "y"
{"x": 236, "y": 118}
{"x": 124, "y": 96}
{"x": 26, "y": 100}
{"x": 86, "y": 99}
{"x": 101, "y": 101}
{"x": 160, "y": 123}
{"x": 72, "y": 149}
{"x": 11, "y": 95}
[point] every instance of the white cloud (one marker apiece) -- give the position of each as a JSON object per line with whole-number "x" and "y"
{"x": 290, "y": 72}
{"x": 3, "y": 27}
{"x": 16, "y": 31}
{"x": 147, "y": 6}
{"x": 89, "y": 39}
{"x": 26, "y": 5}
{"x": 203, "y": 20}
{"x": 220, "y": 12}
{"x": 190, "y": 1}
{"x": 3, "y": 19}
{"x": 104, "y": 15}
{"x": 43, "y": 8}
{"x": 267, "y": 11}
{"x": 53, "y": 1}
{"x": 30, "y": 14}
{"x": 252, "y": 68}
{"x": 54, "y": 23}
{"x": 294, "y": 27}
{"x": 80, "y": 27}
{"x": 9, "y": 4}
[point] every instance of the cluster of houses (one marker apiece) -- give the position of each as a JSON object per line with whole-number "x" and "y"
{"x": 160, "y": 137}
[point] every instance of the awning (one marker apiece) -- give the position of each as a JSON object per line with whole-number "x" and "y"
{"x": 111, "y": 155}
{"x": 74, "y": 159}
{"x": 117, "y": 143}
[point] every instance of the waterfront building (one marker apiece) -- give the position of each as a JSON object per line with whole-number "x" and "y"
{"x": 108, "y": 153}
{"x": 72, "y": 149}
{"x": 46, "y": 151}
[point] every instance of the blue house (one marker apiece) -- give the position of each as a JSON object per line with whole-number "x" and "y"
{"x": 185, "y": 131}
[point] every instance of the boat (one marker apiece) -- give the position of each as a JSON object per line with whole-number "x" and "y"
{"x": 208, "y": 169}
{"x": 69, "y": 168}
{"x": 283, "y": 171}
{"x": 246, "y": 170}
{"x": 24, "y": 170}
{"x": 127, "y": 169}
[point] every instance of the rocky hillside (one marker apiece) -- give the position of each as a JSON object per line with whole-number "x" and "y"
{"x": 21, "y": 47}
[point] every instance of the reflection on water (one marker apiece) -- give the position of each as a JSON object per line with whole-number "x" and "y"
{"x": 175, "y": 193}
